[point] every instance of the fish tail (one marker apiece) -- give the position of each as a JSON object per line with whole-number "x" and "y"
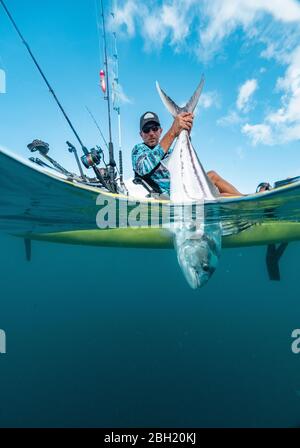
{"x": 190, "y": 106}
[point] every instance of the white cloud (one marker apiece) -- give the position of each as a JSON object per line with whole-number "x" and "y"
{"x": 229, "y": 120}
{"x": 178, "y": 24}
{"x": 246, "y": 91}
{"x": 153, "y": 31}
{"x": 243, "y": 104}
{"x": 290, "y": 86}
{"x": 215, "y": 20}
{"x": 124, "y": 18}
{"x": 209, "y": 99}
{"x": 273, "y": 24}
{"x": 118, "y": 94}
{"x": 282, "y": 125}
{"x": 121, "y": 95}
{"x": 157, "y": 23}
{"x": 289, "y": 134}
{"x": 224, "y": 16}
{"x": 259, "y": 133}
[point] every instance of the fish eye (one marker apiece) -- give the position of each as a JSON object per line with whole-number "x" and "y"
{"x": 205, "y": 268}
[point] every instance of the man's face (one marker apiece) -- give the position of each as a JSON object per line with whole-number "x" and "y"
{"x": 151, "y": 134}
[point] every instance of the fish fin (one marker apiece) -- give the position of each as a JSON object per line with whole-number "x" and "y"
{"x": 173, "y": 108}
{"x": 191, "y": 105}
{"x": 232, "y": 228}
{"x": 168, "y": 102}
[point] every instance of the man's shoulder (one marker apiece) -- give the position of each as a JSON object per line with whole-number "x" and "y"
{"x": 139, "y": 148}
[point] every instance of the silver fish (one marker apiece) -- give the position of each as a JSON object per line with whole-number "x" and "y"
{"x": 198, "y": 244}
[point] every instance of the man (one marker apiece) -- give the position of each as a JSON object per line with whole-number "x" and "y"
{"x": 147, "y": 156}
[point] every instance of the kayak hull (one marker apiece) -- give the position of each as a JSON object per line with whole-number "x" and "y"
{"x": 260, "y": 234}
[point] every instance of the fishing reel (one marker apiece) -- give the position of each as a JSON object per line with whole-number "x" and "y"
{"x": 92, "y": 158}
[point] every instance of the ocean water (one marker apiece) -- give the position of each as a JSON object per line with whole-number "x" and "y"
{"x": 101, "y": 337}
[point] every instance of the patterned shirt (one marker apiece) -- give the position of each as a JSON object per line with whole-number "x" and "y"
{"x": 147, "y": 160}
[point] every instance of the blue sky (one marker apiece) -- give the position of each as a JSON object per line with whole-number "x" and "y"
{"x": 248, "y": 124}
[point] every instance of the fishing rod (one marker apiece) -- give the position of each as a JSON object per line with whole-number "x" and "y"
{"x": 119, "y": 172}
{"x": 89, "y": 158}
{"x": 117, "y": 108}
{"x": 112, "y": 163}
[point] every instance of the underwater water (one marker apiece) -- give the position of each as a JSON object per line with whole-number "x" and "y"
{"x": 101, "y": 337}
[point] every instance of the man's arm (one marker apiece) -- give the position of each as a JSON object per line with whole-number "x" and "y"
{"x": 145, "y": 159}
{"x": 181, "y": 121}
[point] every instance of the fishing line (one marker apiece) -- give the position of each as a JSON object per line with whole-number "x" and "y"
{"x": 98, "y": 127}
{"x": 42, "y": 74}
{"x": 90, "y": 158}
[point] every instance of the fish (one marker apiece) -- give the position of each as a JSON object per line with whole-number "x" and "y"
{"x": 197, "y": 243}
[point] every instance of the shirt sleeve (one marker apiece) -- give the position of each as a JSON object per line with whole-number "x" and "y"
{"x": 145, "y": 159}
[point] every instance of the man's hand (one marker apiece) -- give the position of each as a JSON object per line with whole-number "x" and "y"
{"x": 182, "y": 121}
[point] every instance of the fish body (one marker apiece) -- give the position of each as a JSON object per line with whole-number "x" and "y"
{"x": 198, "y": 250}
{"x": 197, "y": 243}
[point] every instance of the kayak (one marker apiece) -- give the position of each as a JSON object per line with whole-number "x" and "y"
{"x": 41, "y": 204}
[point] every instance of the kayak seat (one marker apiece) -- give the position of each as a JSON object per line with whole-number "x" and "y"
{"x": 152, "y": 189}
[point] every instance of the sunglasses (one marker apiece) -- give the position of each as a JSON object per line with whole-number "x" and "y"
{"x": 147, "y": 129}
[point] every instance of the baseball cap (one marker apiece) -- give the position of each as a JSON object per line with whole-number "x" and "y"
{"x": 148, "y": 117}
